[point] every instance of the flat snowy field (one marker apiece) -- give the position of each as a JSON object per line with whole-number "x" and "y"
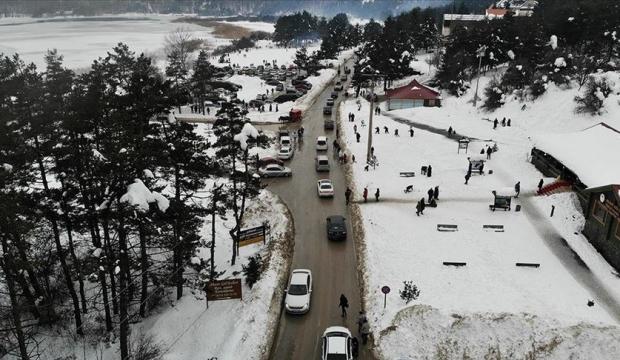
{"x": 489, "y": 306}
{"x": 82, "y": 40}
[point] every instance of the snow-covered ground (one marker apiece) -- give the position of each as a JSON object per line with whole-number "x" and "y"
{"x": 254, "y": 25}
{"x": 265, "y": 50}
{"x": 82, "y": 41}
{"x": 490, "y": 305}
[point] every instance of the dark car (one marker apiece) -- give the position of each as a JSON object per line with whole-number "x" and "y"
{"x": 336, "y": 228}
{"x": 286, "y": 97}
{"x": 327, "y": 110}
{"x": 334, "y": 94}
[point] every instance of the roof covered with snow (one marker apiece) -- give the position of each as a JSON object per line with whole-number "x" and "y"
{"x": 592, "y": 154}
{"x": 413, "y": 90}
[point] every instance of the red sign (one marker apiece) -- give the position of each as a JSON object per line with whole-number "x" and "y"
{"x": 385, "y": 290}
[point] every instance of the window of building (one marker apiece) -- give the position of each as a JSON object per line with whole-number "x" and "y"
{"x": 599, "y": 212}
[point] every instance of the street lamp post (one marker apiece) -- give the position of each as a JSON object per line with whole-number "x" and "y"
{"x": 480, "y": 54}
{"x": 372, "y": 102}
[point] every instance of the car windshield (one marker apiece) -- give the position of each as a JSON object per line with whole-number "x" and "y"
{"x": 326, "y": 186}
{"x": 336, "y": 357}
{"x": 297, "y": 289}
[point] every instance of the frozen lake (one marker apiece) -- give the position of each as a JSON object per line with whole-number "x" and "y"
{"x": 81, "y": 41}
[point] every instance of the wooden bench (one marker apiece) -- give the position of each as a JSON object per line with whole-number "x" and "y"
{"x": 407, "y": 174}
{"x": 495, "y": 228}
{"x": 534, "y": 265}
{"x": 447, "y": 227}
{"x": 452, "y": 263}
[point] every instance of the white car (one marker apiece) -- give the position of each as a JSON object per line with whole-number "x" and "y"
{"x": 285, "y": 153}
{"x": 274, "y": 170}
{"x": 325, "y": 188}
{"x": 337, "y": 344}
{"x": 297, "y": 300}
{"x": 321, "y": 143}
{"x": 285, "y": 141}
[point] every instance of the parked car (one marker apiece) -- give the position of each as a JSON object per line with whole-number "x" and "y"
{"x": 343, "y": 78}
{"x": 327, "y": 110}
{"x": 328, "y": 124}
{"x": 256, "y": 103}
{"x": 321, "y": 143}
{"x": 286, "y": 97}
{"x": 325, "y": 188}
{"x": 285, "y": 153}
{"x": 329, "y": 102}
{"x": 337, "y": 344}
{"x": 285, "y": 141}
{"x": 273, "y": 82}
{"x": 280, "y": 87}
{"x": 334, "y": 94}
{"x": 336, "y": 228}
{"x": 321, "y": 163}
{"x": 267, "y": 160}
{"x": 338, "y": 86}
{"x": 299, "y": 291}
{"x": 274, "y": 170}
{"x": 283, "y": 132}
{"x": 307, "y": 85}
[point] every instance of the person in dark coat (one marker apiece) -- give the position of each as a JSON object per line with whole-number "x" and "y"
{"x": 540, "y": 184}
{"x": 372, "y": 151}
{"x": 436, "y": 193}
{"x": 517, "y": 189}
{"x": 344, "y": 304}
{"x": 377, "y": 195}
{"x": 430, "y": 194}
{"x": 365, "y": 332}
{"x": 347, "y": 196}
{"x": 365, "y": 194}
{"x": 357, "y": 136}
{"x": 481, "y": 151}
{"x": 429, "y": 171}
{"x": 410, "y": 132}
{"x": 396, "y": 132}
{"x": 418, "y": 207}
{"x": 450, "y": 131}
{"x": 352, "y": 117}
{"x": 355, "y": 128}
{"x": 377, "y": 130}
{"x": 489, "y": 152}
{"x": 508, "y": 122}
{"x": 422, "y": 206}
{"x": 467, "y": 176}
{"x": 360, "y": 320}
{"x": 495, "y": 124}
{"x": 355, "y": 347}
{"x": 504, "y": 122}
{"x": 386, "y": 130}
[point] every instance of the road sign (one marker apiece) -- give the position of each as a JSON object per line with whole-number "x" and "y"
{"x": 463, "y": 144}
{"x": 223, "y": 289}
{"x": 385, "y": 290}
{"x": 252, "y": 235}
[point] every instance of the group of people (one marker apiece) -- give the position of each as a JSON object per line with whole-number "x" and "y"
{"x": 504, "y": 122}
{"x": 433, "y": 196}
{"x": 363, "y": 327}
{"x": 365, "y": 194}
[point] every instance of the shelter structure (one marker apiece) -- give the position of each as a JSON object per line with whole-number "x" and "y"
{"x": 412, "y": 95}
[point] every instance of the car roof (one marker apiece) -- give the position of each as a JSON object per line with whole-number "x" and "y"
{"x": 299, "y": 277}
{"x": 322, "y": 157}
{"x": 285, "y": 137}
{"x": 337, "y": 345}
{"x": 324, "y": 138}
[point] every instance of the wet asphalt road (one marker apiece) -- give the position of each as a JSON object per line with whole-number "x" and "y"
{"x": 333, "y": 264}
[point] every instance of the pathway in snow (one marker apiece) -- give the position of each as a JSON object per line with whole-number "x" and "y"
{"x": 560, "y": 248}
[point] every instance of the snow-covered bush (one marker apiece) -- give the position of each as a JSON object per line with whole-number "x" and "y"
{"x": 409, "y": 292}
{"x": 538, "y": 87}
{"x": 253, "y": 269}
{"x": 593, "y": 99}
{"x": 145, "y": 348}
{"x": 494, "y": 95}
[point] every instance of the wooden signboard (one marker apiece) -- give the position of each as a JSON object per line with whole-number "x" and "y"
{"x": 223, "y": 289}
{"x": 252, "y": 235}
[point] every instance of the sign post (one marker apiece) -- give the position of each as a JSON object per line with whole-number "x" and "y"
{"x": 253, "y": 235}
{"x": 463, "y": 144}
{"x": 385, "y": 290}
{"x": 223, "y": 290}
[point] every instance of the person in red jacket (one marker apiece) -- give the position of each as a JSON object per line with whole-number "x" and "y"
{"x": 365, "y": 194}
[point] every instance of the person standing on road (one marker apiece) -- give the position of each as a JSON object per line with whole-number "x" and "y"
{"x": 347, "y": 195}
{"x": 365, "y": 331}
{"x": 430, "y": 193}
{"x": 360, "y": 321}
{"x": 344, "y": 304}
{"x": 517, "y": 189}
{"x": 365, "y": 194}
{"x": 377, "y": 195}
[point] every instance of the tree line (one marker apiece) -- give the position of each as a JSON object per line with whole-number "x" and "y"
{"x": 103, "y": 192}
{"x": 563, "y": 41}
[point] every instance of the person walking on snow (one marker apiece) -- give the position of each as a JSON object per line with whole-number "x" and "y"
{"x": 467, "y": 176}
{"x": 365, "y": 194}
{"x": 429, "y": 171}
{"x": 495, "y": 124}
{"x": 417, "y": 208}
{"x": 355, "y": 128}
{"x": 347, "y": 196}
{"x": 540, "y": 185}
{"x": 489, "y": 152}
{"x": 377, "y": 195}
{"x": 396, "y": 132}
{"x": 422, "y": 206}
{"x": 410, "y": 132}
{"x": 436, "y": 193}
{"x": 430, "y": 193}
{"x": 377, "y": 130}
{"x": 357, "y": 136}
{"x": 344, "y": 304}
{"x": 385, "y": 130}
{"x": 517, "y": 189}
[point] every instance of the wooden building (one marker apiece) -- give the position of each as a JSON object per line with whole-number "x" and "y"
{"x": 412, "y": 95}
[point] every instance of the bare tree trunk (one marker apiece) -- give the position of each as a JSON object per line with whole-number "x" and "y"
{"x": 124, "y": 296}
{"x": 96, "y": 240}
{"x": 177, "y": 253}
{"x": 76, "y": 262}
{"x": 110, "y": 261}
{"x": 15, "y": 312}
{"x": 144, "y": 267}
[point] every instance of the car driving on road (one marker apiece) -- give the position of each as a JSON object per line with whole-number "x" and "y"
{"x": 274, "y": 170}
{"x": 334, "y": 94}
{"x": 285, "y": 153}
{"x": 327, "y": 110}
{"x": 337, "y": 344}
{"x": 338, "y": 86}
{"x": 325, "y": 188}
{"x": 321, "y": 163}
{"x": 336, "y": 228}
{"x": 321, "y": 143}
{"x": 329, "y": 102}
{"x": 297, "y": 300}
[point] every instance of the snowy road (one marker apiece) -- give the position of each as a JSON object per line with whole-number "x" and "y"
{"x": 333, "y": 264}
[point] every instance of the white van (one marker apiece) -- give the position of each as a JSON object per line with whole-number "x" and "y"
{"x": 321, "y": 163}
{"x": 321, "y": 143}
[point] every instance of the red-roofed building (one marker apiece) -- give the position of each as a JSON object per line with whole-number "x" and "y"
{"x": 411, "y": 95}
